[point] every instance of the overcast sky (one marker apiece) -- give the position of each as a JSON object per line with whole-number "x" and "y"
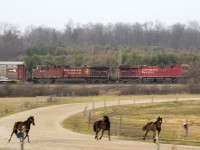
{"x": 56, "y": 13}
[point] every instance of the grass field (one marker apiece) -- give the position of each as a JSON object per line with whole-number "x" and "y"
{"x": 134, "y": 117}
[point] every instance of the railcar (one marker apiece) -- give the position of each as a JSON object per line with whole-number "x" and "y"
{"x": 12, "y": 71}
{"x": 146, "y": 74}
{"x": 52, "y": 73}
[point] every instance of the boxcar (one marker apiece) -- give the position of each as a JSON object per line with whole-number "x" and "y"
{"x": 145, "y": 73}
{"x": 13, "y": 70}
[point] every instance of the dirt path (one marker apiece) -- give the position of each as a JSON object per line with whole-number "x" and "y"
{"x": 48, "y": 134}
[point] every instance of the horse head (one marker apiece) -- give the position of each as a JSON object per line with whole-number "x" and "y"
{"x": 159, "y": 120}
{"x": 31, "y": 120}
{"x": 105, "y": 119}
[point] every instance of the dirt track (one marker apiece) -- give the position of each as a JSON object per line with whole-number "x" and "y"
{"x": 48, "y": 134}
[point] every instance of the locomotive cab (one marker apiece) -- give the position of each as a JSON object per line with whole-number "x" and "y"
{"x": 186, "y": 70}
{"x": 46, "y": 73}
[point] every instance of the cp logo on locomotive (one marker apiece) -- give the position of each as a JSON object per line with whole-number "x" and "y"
{"x": 87, "y": 72}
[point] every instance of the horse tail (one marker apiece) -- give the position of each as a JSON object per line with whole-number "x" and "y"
{"x": 145, "y": 127}
{"x": 95, "y": 126}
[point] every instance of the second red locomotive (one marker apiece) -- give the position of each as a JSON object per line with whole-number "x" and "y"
{"x": 145, "y": 74}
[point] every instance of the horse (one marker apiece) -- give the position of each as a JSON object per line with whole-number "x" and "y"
{"x": 18, "y": 128}
{"x": 102, "y": 125}
{"x": 153, "y": 126}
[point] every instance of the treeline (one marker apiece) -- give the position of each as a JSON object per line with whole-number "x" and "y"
{"x": 97, "y": 44}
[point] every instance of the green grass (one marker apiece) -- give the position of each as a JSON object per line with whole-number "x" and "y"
{"x": 135, "y": 116}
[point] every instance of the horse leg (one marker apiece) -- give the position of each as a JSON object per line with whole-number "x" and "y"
{"x": 11, "y": 135}
{"x": 102, "y": 133}
{"x": 96, "y": 137}
{"x": 109, "y": 134}
{"x": 159, "y": 132}
{"x": 27, "y": 137}
{"x": 154, "y": 137}
{"x": 145, "y": 134}
{"x": 158, "y": 136}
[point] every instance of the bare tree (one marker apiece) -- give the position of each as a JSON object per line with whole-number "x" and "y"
{"x": 11, "y": 42}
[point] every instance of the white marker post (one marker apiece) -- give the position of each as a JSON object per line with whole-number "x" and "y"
{"x": 22, "y": 138}
{"x": 185, "y": 125}
{"x": 157, "y": 140}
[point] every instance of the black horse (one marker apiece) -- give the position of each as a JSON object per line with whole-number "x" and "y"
{"x": 153, "y": 126}
{"x": 18, "y": 127}
{"x": 102, "y": 124}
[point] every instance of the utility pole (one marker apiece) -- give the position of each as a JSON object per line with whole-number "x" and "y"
{"x": 120, "y": 57}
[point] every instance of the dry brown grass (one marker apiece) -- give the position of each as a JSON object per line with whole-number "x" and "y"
{"x": 134, "y": 117}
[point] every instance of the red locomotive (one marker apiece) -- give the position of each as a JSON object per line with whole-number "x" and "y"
{"x": 145, "y": 74}
{"x": 51, "y": 74}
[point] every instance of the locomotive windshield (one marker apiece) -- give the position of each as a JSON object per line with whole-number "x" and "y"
{"x": 43, "y": 68}
{"x": 186, "y": 68}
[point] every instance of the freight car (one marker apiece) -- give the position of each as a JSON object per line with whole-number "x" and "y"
{"x": 12, "y": 71}
{"x": 51, "y": 74}
{"x": 146, "y": 74}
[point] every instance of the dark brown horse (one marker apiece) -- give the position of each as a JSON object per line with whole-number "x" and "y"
{"x": 102, "y": 125}
{"x": 153, "y": 126}
{"x": 18, "y": 127}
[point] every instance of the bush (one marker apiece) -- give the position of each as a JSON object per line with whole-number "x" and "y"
{"x": 30, "y": 90}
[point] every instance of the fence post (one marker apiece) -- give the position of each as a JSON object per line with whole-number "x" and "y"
{"x": 119, "y": 125}
{"x": 133, "y": 100}
{"x": 93, "y": 107}
{"x": 186, "y": 136}
{"x": 118, "y": 103}
{"x": 176, "y": 98}
{"x": 185, "y": 125}
{"x": 89, "y": 120}
{"x": 179, "y": 132}
{"x": 85, "y": 113}
{"x": 152, "y": 99}
{"x": 37, "y": 99}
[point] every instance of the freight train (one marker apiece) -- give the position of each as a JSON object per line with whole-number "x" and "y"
{"x": 16, "y": 71}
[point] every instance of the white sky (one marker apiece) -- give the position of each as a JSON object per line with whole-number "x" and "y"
{"x": 56, "y": 13}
